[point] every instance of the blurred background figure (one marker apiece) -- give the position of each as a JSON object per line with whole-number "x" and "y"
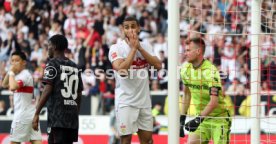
{"x": 114, "y": 137}
{"x": 2, "y": 108}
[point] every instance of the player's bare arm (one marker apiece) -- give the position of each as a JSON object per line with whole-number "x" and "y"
{"x": 213, "y": 103}
{"x": 186, "y": 100}
{"x": 13, "y": 85}
{"x": 5, "y": 83}
{"x": 124, "y": 64}
{"x": 152, "y": 60}
{"x": 44, "y": 97}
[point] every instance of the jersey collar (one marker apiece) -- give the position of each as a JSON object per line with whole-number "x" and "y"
{"x": 199, "y": 64}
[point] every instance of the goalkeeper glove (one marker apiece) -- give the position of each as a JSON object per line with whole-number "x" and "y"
{"x": 193, "y": 124}
{"x": 182, "y": 123}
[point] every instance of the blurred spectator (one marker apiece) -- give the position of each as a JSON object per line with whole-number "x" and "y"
{"x": 20, "y": 13}
{"x": 97, "y": 56}
{"x": 237, "y": 92}
{"x": 55, "y": 29}
{"x": 108, "y": 95}
{"x": 272, "y": 73}
{"x": 60, "y": 16}
{"x": 22, "y": 44}
{"x": 163, "y": 73}
{"x": 245, "y": 108}
{"x": 156, "y": 126}
{"x": 2, "y": 107}
{"x": 265, "y": 87}
{"x": 160, "y": 45}
{"x": 228, "y": 60}
{"x": 156, "y": 109}
{"x": 36, "y": 54}
{"x": 114, "y": 137}
{"x": 155, "y": 85}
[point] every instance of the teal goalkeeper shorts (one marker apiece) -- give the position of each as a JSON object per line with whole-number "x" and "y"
{"x": 217, "y": 129}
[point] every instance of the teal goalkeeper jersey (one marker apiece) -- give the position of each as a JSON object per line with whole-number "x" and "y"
{"x": 202, "y": 83}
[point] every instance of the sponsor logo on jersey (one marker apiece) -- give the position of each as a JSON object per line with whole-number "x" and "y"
{"x": 194, "y": 86}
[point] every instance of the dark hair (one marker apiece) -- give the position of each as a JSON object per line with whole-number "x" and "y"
{"x": 199, "y": 41}
{"x": 59, "y": 41}
{"x": 20, "y": 54}
{"x": 131, "y": 18}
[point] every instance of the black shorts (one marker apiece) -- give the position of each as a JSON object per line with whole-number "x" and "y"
{"x": 62, "y": 135}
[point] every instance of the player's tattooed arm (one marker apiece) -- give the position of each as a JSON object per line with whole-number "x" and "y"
{"x": 44, "y": 97}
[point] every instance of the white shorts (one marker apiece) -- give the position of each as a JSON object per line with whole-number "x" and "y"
{"x": 24, "y": 132}
{"x": 130, "y": 119}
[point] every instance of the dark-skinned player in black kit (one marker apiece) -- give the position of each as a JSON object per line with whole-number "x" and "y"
{"x": 62, "y": 92}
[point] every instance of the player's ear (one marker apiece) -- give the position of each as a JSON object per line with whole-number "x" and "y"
{"x": 198, "y": 51}
{"x": 54, "y": 47}
{"x": 138, "y": 29}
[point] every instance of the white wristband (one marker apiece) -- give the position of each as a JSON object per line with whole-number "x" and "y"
{"x": 11, "y": 73}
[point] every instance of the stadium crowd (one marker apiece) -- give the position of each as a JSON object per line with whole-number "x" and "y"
{"x": 91, "y": 26}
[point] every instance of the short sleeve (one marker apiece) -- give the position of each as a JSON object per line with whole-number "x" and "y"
{"x": 49, "y": 74}
{"x": 114, "y": 54}
{"x": 183, "y": 73}
{"x": 214, "y": 80}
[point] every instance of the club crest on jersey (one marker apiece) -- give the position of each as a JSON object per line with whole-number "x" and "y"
{"x": 114, "y": 55}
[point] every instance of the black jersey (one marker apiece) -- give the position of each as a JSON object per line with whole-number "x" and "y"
{"x": 65, "y": 78}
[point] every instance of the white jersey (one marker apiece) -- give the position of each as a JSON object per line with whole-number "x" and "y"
{"x": 24, "y": 107}
{"x": 132, "y": 90}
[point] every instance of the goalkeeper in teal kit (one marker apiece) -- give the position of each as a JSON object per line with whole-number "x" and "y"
{"x": 203, "y": 86}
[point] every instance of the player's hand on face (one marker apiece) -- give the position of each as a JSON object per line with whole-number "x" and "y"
{"x": 13, "y": 68}
{"x": 35, "y": 122}
{"x": 133, "y": 40}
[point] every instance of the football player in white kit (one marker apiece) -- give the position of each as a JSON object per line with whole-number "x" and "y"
{"x": 20, "y": 81}
{"x": 131, "y": 59}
